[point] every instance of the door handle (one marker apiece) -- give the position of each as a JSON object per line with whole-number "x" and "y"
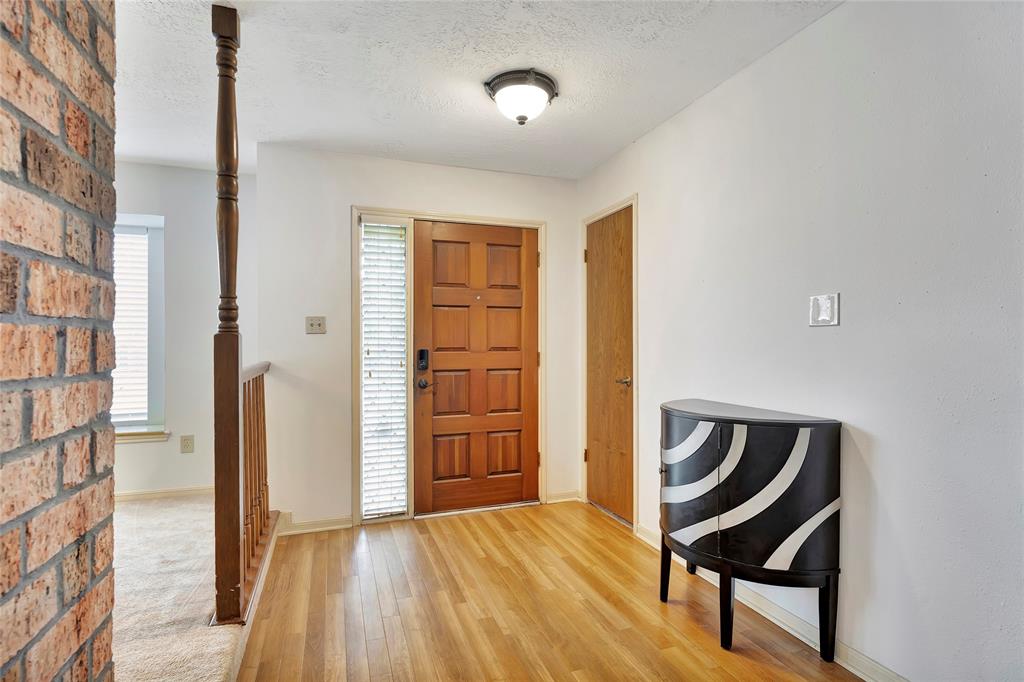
{"x": 423, "y": 383}
{"x": 625, "y": 381}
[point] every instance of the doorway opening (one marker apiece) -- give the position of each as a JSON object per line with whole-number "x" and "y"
{"x": 446, "y": 363}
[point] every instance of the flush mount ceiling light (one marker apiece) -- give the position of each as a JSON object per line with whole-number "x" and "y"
{"x": 522, "y": 95}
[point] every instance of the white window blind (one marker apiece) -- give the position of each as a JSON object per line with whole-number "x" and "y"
{"x": 131, "y": 326}
{"x": 384, "y": 373}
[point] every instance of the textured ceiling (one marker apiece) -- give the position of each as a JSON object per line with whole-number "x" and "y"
{"x": 403, "y": 79}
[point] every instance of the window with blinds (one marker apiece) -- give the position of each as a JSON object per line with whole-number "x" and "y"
{"x": 131, "y": 326}
{"x": 384, "y": 406}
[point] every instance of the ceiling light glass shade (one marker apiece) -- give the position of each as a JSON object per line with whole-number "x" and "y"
{"x": 522, "y": 95}
{"x": 521, "y": 102}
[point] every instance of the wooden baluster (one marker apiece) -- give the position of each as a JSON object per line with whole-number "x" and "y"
{"x": 257, "y": 513}
{"x": 246, "y": 470}
{"x": 227, "y": 342}
{"x": 264, "y": 489}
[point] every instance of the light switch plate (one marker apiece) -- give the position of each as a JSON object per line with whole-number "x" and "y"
{"x": 316, "y": 324}
{"x": 188, "y": 445}
{"x": 824, "y": 310}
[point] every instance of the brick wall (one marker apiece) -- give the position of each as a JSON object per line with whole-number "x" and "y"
{"x": 56, "y": 345}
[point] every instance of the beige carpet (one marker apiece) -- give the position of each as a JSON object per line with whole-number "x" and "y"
{"x": 164, "y": 593}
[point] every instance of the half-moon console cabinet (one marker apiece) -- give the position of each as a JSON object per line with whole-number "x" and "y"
{"x": 752, "y": 494}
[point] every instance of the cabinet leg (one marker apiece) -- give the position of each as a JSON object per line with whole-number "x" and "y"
{"x": 666, "y": 568}
{"x": 828, "y": 608}
{"x": 691, "y": 567}
{"x": 726, "y": 587}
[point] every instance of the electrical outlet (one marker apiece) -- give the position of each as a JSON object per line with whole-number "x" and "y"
{"x": 824, "y": 310}
{"x": 316, "y": 325}
{"x": 188, "y": 445}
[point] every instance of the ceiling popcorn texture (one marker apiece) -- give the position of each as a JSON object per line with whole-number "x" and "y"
{"x": 404, "y": 80}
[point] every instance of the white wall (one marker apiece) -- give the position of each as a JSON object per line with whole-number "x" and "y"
{"x": 878, "y": 153}
{"x": 305, "y": 200}
{"x": 187, "y": 200}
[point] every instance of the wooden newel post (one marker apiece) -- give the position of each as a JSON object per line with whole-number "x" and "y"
{"x": 227, "y": 342}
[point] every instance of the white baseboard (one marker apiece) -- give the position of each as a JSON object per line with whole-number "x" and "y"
{"x": 287, "y": 527}
{"x": 853, "y": 660}
{"x": 564, "y": 496}
{"x": 164, "y": 492}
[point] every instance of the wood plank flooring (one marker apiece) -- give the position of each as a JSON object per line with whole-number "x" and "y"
{"x": 552, "y": 592}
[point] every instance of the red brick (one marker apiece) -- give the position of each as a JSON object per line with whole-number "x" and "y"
{"x": 104, "y": 250}
{"x": 10, "y": 141}
{"x": 12, "y": 17}
{"x": 102, "y": 649}
{"x": 77, "y": 14}
{"x": 105, "y": 358}
{"x": 105, "y": 440}
{"x": 29, "y": 351}
{"x": 77, "y": 460}
{"x": 10, "y": 421}
{"x": 59, "y": 526}
{"x": 30, "y": 221}
{"x": 103, "y": 551}
{"x": 61, "y": 408}
{"x": 104, "y": 11}
{"x": 50, "y": 653}
{"x": 27, "y": 482}
{"x": 58, "y": 292}
{"x": 78, "y": 351}
{"x": 50, "y": 168}
{"x": 78, "y": 239}
{"x": 10, "y": 282}
{"x": 104, "y": 395}
{"x": 104, "y": 142}
{"x": 13, "y": 674}
{"x": 105, "y": 50}
{"x": 106, "y": 310}
{"x": 64, "y": 60}
{"x": 10, "y": 560}
{"x": 28, "y": 611}
{"x": 77, "y": 129}
{"x": 79, "y": 670}
{"x": 75, "y": 571}
{"x": 27, "y": 89}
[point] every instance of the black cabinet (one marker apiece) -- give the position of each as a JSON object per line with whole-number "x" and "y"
{"x": 752, "y": 494}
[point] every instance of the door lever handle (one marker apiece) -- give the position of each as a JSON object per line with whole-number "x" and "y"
{"x": 422, "y": 383}
{"x": 625, "y": 381}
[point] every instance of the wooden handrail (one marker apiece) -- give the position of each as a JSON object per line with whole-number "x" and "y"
{"x": 243, "y": 522}
{"x": 253, "y": 371}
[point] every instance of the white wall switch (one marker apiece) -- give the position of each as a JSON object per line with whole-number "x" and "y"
{"x": 316, "y": 325}
{"x": 824, "y": 310}
{"x": 188, "y": 445}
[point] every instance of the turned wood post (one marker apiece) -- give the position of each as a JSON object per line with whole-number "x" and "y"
{"x": 227, "y": 342}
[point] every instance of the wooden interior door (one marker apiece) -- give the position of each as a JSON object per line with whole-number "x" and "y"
{"x": 475, "y": 405}
{"x": 609, "y": 263}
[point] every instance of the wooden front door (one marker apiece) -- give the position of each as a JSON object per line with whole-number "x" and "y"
{"x": 475, "y": 405}
{"x": 609, "y": 258}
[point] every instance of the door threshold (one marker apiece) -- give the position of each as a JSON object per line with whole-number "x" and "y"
{"x": 615, "y": 517}
{"x": 472, "y": 510}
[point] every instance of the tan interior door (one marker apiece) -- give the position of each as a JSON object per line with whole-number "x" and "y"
{"x": 610, "y": 363}
{"x": 475, "y": 406}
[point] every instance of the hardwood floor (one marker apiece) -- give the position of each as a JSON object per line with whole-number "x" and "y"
{"x": 552, "y": 592}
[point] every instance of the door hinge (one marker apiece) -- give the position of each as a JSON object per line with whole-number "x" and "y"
{"x": 538, "y": 459}
{"x": 586, "y": 455}
{"x": 584, "y": 255}
{"x": 538, "y": 359}
{"x": 538, "y": 259}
